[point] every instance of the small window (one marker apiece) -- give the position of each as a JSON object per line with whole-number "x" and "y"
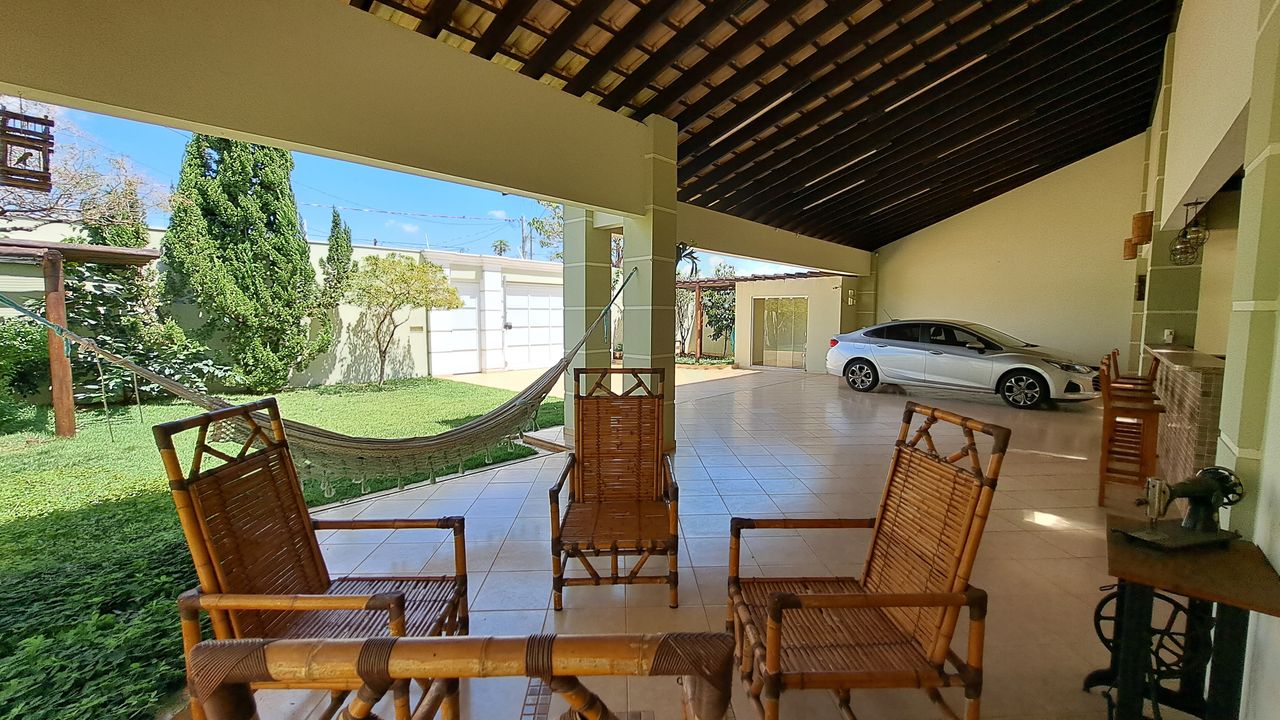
{"x": 906, "y": 332}
{"x": 952, "y": 336}
{"x": 874, "y": 333}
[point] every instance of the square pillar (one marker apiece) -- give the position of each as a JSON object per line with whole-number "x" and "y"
{"x": 649, "y": 245}
{"x": 587, "y": 279}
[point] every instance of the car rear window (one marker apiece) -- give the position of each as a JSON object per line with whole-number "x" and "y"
{"x": 906, "y": 332}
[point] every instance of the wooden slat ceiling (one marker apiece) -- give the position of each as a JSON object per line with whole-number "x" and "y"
{"x": 856, "y": 121}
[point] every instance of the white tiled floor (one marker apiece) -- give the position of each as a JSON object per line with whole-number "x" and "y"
{"x": 782, "y": 443}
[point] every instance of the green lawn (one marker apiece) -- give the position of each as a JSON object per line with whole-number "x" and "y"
{"x": 92, "y": 558}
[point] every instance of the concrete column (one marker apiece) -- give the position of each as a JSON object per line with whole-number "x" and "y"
{"x": 649, "y": 244}
{"x": 867, "y": 310}
{"x": 586, "y": 292}
{"x": 492, "y": 316}
{"x": 1250, "y": 423}
{"x": 1173, "y": 291}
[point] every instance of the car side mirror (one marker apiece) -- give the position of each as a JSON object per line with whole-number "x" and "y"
{"x": 976, "y": 346}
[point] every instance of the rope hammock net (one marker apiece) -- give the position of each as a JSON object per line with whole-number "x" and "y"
{"x": 328, "y": 457}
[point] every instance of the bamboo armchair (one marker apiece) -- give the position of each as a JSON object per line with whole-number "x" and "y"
{"x": 891, "y": 628}
{"x": 623, "y": 497}
{"x": 260, "y": 568}
{"x": 222, "y": 673}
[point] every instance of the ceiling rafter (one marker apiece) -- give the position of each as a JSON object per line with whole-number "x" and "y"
{"x": 714, "y": 13}
{"x": 997, "y": 80}
{"x": 839, "y": 119}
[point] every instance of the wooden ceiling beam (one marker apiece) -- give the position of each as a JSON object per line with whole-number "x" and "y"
{"x": 873, "y": 96}
{"x": 563, "y": 37}
{"x": 504, "y": 22}
{"x": 755, "y": 114}
{"x": 438, "y": 16}
{"x": 773, "y": 56}
{"x": 625, "y": 39}
{"x": 717, "y": 57}
{"x": 990, "y": 154}
{"x": 715, "y": 12}
{"x": 1079, "y": 87}
{"x": 820, "y": 168}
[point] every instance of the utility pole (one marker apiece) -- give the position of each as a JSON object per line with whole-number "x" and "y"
{"x": 526, "y": 243}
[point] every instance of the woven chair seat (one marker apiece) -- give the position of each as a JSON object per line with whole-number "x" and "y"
{"x": 628, "y": 524}
{"x": 824, "y": 640}
{"x": 427, "y": 602}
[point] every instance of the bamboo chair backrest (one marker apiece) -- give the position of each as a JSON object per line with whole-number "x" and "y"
{"x": 931, "y": 518}
{"x": 245, "y": 519}
{"x": 617, "y": 435}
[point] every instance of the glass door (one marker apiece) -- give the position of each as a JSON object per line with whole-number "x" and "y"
{"x": 780, "y": 331}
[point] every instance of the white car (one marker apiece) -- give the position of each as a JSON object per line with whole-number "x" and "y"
{"x": 959, "y": 356}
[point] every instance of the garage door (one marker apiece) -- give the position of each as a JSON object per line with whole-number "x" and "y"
{"x": 535, "y": 314}
{"x": 455, "y": 334}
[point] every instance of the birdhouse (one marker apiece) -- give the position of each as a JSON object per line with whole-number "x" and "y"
{"x": 26, "y": 149}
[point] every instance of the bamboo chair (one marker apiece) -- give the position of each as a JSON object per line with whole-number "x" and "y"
{"x": 891, "y": 628}
{"x": 623, "y": 497}
{"x": 222, "y": 673}
{"x": 1138, "y": 382}
{"x": 261, "y": 571}
{"x": 1131, "y": 417}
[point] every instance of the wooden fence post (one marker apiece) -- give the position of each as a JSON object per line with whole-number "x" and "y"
{"x": 55, "y": 311}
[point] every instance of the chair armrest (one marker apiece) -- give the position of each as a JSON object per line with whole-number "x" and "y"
{"x": 554, "y": 492}
{"x": 738, "y": 524}
{"x": 444, "y": 523}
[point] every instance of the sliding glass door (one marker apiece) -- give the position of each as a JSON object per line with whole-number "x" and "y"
{"x": 780, "y": 331}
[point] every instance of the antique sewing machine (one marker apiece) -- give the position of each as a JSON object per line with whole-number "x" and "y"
{"x": 1208, "y": 490}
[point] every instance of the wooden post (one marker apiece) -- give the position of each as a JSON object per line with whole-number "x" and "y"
{"x": 697, "y": 319}
{"x": 55, "y": 311}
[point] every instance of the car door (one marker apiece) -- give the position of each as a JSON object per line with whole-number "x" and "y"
{"x": 898, "y": 353}
{"x": 950, "y": 362}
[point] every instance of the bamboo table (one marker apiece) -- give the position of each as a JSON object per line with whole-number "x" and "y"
{"x": 1237, "y": 579}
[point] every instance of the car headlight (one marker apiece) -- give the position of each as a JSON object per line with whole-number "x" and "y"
{"x": 1070, "y": 367}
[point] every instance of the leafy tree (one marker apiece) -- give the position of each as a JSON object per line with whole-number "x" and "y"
{"x": 684, "y": 314}
{"x": 235, "y": 248}
{"x": 686, "y": 253}
{"x": 117, "y": 306}
{"x": 386, "y": 285}
{"x": 89, "y": 186}
{"x": 337, "y": 265}
{"x": 501, "y": 247}
{"x": 550, "y": 228}
{"x": 718, "y": 306}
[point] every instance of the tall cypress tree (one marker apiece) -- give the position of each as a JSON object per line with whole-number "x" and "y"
{"x": 337, "y": 264}
{"x": 235, "y": 248}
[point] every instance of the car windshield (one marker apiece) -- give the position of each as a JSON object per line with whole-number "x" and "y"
{"x": 995, "y": 335}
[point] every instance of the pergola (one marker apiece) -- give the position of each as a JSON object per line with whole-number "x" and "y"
{"x": 697, "y": 285}
{"x": 50, "y": 256}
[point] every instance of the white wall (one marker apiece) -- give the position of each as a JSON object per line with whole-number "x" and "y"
{"x": 825, "y": 297}
{"x": 1212, "y": 79}
{"x": 1042, "y": 262}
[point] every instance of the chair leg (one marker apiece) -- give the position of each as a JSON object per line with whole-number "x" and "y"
{"x": 971, "y": 708}
{"x": 673, "y": 578}
{"x": 557, "y": 579}
{"x": 400, "y": 699}
{"x": 450, "y": 708}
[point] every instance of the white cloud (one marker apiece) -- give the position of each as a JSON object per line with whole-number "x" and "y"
{"x": 498, "y": 214}
{"x": 404, "y": 227}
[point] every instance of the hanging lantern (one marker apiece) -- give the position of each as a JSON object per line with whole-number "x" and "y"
{"x": 26, "y": 151}
{"x": 1185, "y": 249}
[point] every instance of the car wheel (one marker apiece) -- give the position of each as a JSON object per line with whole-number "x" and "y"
{"x": 861, "y": 375}
{"x": 1024, "y": 389}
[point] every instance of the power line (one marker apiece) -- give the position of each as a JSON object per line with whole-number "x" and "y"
{"x": 408, "y": 213}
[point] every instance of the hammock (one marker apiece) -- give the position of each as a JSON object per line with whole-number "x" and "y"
{"x": 328, "y": 457}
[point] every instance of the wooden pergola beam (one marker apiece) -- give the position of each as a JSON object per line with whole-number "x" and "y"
{"x": 500, "y": 29}
{"x": 76, "y": 252}
{"x": 622, "y": 41}
{"x": 563, "y": 37}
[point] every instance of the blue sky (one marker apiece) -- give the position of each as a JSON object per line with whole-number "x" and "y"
{"x": 396, "y": 209}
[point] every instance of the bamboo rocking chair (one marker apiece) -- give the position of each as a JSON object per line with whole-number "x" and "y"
{"x": 261, "y": 571}
{"x": 623, "y": 497}
{"x": 220, "y": 672}
{"x": 891, "y": 628}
